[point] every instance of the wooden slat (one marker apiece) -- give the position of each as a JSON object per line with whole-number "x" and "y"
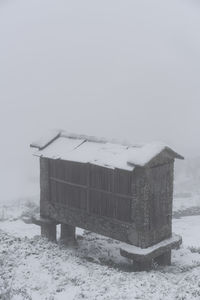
{"x": 96, "y": 189}
{"x": 93, "y": 189}
{"x": 88, "y": 188}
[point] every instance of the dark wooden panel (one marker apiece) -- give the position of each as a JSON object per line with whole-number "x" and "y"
{"x": 122, "y": 181}
{"x": 112, "y": 180}
{"x": 102, "y": 191}
{"x": 44, "y": 187}
{"x": 101, "y": 178}
{"x": 68, "y": 171}
{"x": 111, "y": 206}
{"x": 68, "y": 196}
{"x": 102, "y": 204}
{"x": 75, "y": 172}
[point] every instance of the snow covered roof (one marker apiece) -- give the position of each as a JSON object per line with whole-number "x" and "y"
{"x": 87, "y": 149}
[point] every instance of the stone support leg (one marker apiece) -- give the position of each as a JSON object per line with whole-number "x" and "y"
{"x": 68, "y": 234}
{"x": 49, "y": 231}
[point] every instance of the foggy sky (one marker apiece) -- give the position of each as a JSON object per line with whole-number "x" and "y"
{"x": 123, "y": 69}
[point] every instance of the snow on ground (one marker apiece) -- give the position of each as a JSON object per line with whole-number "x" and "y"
{"x": 181, "y": 203}
{"x": 33, "y": 268}
{"x": 19, "y": 229}
{"x": 189, "y": 228}
{"x": 15, "y": 209}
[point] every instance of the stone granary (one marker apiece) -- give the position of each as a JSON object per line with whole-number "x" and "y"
{"x": 121, "y": 191}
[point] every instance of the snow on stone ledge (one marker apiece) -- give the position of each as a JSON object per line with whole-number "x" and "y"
{"x": 174, "y": 240}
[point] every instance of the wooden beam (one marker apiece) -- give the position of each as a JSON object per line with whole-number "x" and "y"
{"x": 91, "y": 188}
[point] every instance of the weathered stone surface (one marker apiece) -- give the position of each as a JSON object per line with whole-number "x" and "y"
{"x": 141, "y": 266}
{"x": 164, "y": 259}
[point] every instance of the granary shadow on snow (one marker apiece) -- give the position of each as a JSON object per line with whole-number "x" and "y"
{"x": 97, "y": 249}
{"x": 100, "y": 250}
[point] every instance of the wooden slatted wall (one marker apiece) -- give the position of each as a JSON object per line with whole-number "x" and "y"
{"x": 99, "y": 190}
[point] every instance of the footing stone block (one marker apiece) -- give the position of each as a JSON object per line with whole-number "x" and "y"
{"x": 160, "y": 253}
{"x": 68, "y": 234}
{"x": 48, "y": 227}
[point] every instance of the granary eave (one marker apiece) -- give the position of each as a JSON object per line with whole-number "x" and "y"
{"x": 45, "y": 141}
{"x": 52, "y": 135}
{"x": 166, "y": 154}
{"x": 164, "y": 151}
{"x": 173, "y": 153}
{"x": 101, "y": 152}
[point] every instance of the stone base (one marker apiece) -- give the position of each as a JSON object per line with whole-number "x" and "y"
{"x": 159, "y": 253}
{"x": 68, "y": 234}
{"x": 48, "y": 230}
{"x": 48, "y": 227}
{"x": 164, "y": 259}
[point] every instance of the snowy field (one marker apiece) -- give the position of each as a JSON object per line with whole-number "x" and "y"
{"x": 32, "y": 268}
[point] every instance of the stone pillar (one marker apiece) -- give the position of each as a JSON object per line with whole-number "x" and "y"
{"x": 164, "y": 259}
{"x": 48, "y": 231}
{"x": 67, "y": 234}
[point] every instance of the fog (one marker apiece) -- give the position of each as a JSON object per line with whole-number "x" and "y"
{"x": 123, "y": 69}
